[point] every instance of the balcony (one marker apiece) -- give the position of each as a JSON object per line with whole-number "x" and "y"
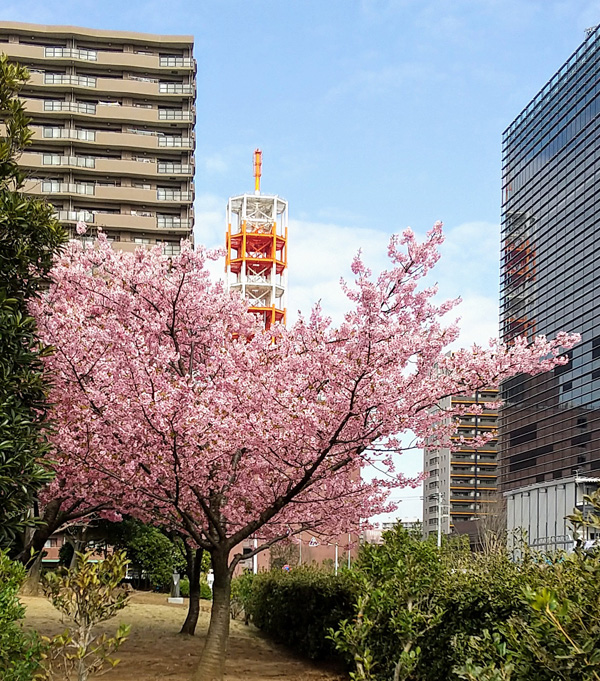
{"x": 175, "y": 168}
{"x": 27, "y": 54}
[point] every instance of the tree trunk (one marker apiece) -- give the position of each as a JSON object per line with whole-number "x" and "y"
{"x": 51, "y": 520}
{"x": 193, "y": 570}
{"x": 31, "y": 585}
{"x": 212, "y": 660}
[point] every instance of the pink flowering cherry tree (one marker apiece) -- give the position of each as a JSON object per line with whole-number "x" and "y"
{"x": 172, "y": 404}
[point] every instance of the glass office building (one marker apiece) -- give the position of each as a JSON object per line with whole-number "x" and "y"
{"x": 550, "y": 274}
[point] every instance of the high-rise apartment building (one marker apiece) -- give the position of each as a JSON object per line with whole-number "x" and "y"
{"x": 550, "y": 279}
{"x": 461, "y": 484}
{"x": 113, "y": 129}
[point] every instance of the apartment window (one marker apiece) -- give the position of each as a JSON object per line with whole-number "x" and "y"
{"x": 175, "y": 88}
{"x": 171, "y": 248}
{"x": 70, "y": 133}
{"x": 69, "y": 53}
{"x": 174, "y": 62}
{"x": 174, "y": 115}
{"x": 141, "y": 240}
{"x": 79, "y": 161}
{"x": 172, "y": 141}
{"x": 170, "y": 221}
{"x": 172, "y": 195}
{"x": 174, "y": 168}
{"x": 67, "y": 79}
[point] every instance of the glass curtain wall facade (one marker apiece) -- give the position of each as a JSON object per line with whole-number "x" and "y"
{"x": 550, "y": 274}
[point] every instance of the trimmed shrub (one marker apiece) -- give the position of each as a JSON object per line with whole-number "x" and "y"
{"x": 297, "y": 608}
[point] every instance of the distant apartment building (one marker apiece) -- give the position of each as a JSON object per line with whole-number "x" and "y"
{"x": 462, "y": 483}
{"x": 550, "y": 281}
{"x": 113, "y": 118}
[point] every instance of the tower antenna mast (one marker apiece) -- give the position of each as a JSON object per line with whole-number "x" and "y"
{"x": 257, "y": 170}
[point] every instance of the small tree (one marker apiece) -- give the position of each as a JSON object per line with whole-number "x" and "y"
{"x": 87, "y": 595}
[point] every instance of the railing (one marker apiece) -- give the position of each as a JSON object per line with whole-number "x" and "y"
{"x": 173, "y": 195}
{"x": 175, "y": 168}
{"x": 175, "y": 89}
{"x": 78, "y": 161}
{"x": 71, "y": 53}
{"x": 53, "y": 187}
{"x": 143, "y": 79}
{"x": 175, "y": 115}
{"x": 67, "y": 79}
{"x": 171, "y": 222}
{"x": 74, "y": 216}
{"x": 76, "y": 107}
{"x": 70, "y": 133}
{"x": 165, "y": 141}
{"x": 181, "y": 62}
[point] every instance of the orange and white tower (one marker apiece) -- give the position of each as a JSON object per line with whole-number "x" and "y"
{"x": 256, "y": 261}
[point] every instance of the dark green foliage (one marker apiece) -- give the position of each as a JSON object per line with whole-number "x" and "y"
{"x": 29, "y": 239}
{"x": 20, "y": 651}
{"x": 65, "y": 554}
{"x": 297, "y": 608}
{"x": 149, "y": 550}
{"x": 396, "y": 606}
{"x": 556, "y": 634}
{"x": 205, "y": 592}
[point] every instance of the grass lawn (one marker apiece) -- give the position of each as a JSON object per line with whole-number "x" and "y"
{"x": 155, "y": 651}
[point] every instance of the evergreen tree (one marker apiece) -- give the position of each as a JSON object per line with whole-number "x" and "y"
{"x": 30, "y": 236}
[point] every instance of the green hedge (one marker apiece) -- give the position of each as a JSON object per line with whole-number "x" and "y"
{"x": 297, "y": 608}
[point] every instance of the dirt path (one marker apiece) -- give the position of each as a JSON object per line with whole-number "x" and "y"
{"x": 155, "y": 651}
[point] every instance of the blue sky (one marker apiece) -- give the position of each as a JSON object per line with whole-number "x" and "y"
{"x": 372, "y": 115}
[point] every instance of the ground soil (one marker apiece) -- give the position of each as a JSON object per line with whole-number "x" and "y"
{"x": 155, "y": 650}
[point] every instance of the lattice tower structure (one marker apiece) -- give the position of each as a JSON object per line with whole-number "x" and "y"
{"x": 256, "y": 260}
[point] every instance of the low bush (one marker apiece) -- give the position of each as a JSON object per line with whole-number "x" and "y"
{"x": 20, "y": 651}
{"x": 297, "y": 608}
